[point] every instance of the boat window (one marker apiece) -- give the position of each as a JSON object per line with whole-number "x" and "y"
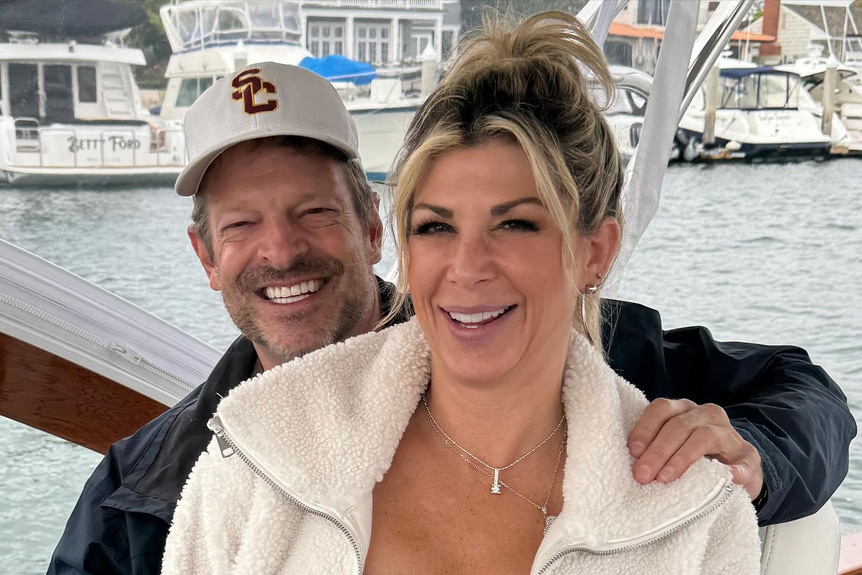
{"x": 773, "y": 91}
{"x": 59, "y": 104}
{"x": 24, "y": 90}
{"x": 190, "y": 89}
{"x": 232, "y": 24}
{"x": 87, "y": 92}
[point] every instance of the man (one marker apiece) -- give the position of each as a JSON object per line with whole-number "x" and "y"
{"x": 286, "y": 227}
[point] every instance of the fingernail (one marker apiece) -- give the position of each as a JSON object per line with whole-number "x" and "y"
{"x": 636, "y": 448}
{"x": 665, "y": 476}
{"x": 642, "y": 474}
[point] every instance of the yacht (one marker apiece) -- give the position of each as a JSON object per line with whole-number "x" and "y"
{"x": 761, "y": 114}
{"x": 375, "y": 52}
{"x": 847, "y": 92}
{"x": 71, "y": 114}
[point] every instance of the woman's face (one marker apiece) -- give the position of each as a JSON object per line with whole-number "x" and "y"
{"x": 485, "y": 267}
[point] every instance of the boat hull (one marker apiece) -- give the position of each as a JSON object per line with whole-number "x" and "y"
{"x": 725, "y": 149}
{"x": 381, "y": 132}
{"x": 95, "y": 177}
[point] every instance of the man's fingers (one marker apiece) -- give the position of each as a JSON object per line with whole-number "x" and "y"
{"x": 673, "y": 450}
{"x": 673, "y": 434}
{"x": 653, "y": 420}
{"x": 701, "y": 442}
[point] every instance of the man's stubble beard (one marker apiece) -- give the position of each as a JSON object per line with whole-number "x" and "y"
{"x": 354, "y": 308}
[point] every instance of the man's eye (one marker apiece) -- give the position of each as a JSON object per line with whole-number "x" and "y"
{"x": 519, "y": 225}
{"x": 238, "y": 224}
{"x": 318, "y": 211}
{"x": 430, "y": 228}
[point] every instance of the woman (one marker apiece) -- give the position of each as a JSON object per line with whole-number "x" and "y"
{"x": 488, "y": 432}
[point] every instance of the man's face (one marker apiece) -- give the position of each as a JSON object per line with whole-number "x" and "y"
{"x": 290, "y": 255}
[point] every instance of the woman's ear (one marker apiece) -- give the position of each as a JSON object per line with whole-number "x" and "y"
{"x": 601, "y": 249}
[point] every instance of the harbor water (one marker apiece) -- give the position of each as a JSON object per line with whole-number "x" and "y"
{"x": 766, "y": 253}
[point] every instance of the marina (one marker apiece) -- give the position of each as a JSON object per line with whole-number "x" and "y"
{"x": 757, "y": 252}
{"x": 382, "y": 52}
{"x": 71, "y": 114}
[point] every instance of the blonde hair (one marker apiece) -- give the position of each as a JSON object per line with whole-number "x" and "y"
{"x": 524, "y": 82}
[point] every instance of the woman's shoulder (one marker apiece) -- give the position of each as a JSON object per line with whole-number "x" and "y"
{"x": 392, "y": 349}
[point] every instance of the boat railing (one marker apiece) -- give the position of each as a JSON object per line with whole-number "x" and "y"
{"x": 113, "y": 147}
{"x": 27, "y": 134}
{"x": 391, "y": 4}
{"x": 207, "y": 23}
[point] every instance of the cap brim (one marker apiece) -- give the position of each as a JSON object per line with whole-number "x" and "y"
{"x": 189, "y": 180}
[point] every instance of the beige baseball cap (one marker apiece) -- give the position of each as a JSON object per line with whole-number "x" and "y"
{"x": 263, "y": 100}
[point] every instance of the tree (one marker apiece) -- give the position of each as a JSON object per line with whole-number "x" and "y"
{"x": 150, "y": 37}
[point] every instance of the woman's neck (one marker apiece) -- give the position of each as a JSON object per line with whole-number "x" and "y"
{"x": 500, "y": 420}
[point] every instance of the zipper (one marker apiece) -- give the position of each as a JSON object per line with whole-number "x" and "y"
{"x": 722, "y": 493}
{"x": 115, "y": 349}
{"x": 228, "y": 447}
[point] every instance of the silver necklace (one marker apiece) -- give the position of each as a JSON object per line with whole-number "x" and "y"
{"x": 497, "y": 482}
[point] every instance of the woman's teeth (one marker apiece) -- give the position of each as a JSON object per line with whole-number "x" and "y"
{"x": 474, "y": 320}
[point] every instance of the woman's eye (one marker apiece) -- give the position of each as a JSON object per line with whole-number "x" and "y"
{"x": 519, "y": 225}
{"x": 429, "y": 228}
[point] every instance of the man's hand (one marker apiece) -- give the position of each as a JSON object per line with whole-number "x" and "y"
{"x": 671, "y": 434}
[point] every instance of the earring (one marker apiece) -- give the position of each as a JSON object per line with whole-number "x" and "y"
{"x": 591, "y": 289}
{"x": 601, "y": 276}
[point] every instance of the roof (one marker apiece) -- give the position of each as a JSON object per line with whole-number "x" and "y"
{"x": 656, "y": 32}
{"x": 835, "y": 16}
{"x": 69, "y": 19}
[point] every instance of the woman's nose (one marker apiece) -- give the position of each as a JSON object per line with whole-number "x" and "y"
{"x": 472, "y": 261}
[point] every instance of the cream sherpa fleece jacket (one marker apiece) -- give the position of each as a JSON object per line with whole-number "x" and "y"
{"x": 286, "y": 486}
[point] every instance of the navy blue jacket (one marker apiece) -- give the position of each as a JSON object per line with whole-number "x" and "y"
{"x": 788, "y": 408}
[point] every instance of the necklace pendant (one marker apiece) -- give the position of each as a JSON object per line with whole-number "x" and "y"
{"x": 495, "y": 486}
{"x": 549, "y": 520}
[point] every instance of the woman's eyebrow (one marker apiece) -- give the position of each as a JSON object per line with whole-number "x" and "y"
{"x": 442, "y": 212}
{"x": 501, "y": 209}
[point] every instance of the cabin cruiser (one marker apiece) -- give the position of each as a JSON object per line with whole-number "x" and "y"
{"x": 847, "y": 90}
{"x": 71, "y": 114}
{"x": 760, "y": 113}
{"x": 213, "y": 38}
{"x": 108, "y": 338}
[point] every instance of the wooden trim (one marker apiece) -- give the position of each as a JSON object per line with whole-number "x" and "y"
{"x": 49, "y": 393}
{"x": 850, "y": 562}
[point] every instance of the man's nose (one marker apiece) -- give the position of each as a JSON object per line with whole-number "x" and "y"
{"x": 283, "y": 240}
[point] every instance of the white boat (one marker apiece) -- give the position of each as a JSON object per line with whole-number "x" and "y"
{"x": 213, "y": 38}
{"x": 847, "y": 99}
{"x": 761, "y": 114}
{"x": 625, "y": 114}
{"x": 71, "y": 114}
{"x": 101, "y": 357}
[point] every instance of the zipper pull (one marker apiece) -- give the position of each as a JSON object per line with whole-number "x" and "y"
{"x": 224, "y": 443}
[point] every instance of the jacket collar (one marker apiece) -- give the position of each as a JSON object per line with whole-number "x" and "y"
{"x": 326, "y": 427}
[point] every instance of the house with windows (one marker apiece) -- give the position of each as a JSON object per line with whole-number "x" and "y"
{"x": 634, "y": 37}
{"x": 834, "y": 26}
{"x": 380, "y": 32}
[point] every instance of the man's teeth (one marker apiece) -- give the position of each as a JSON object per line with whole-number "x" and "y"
{"x": 294, "y": 293}
{"x": 472, "y": 320}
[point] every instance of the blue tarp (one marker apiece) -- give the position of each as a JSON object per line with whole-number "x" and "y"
{"x": 337, "y": 68}
{"x": 742, "y": 72}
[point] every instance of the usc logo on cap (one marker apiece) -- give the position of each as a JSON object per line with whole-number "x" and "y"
{"x": 248, "y": 84}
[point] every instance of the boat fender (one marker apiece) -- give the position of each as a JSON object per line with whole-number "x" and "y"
{"x": 690, "y": 153}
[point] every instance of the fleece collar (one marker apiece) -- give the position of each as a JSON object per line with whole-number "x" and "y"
{"x": 327, "y": 425}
